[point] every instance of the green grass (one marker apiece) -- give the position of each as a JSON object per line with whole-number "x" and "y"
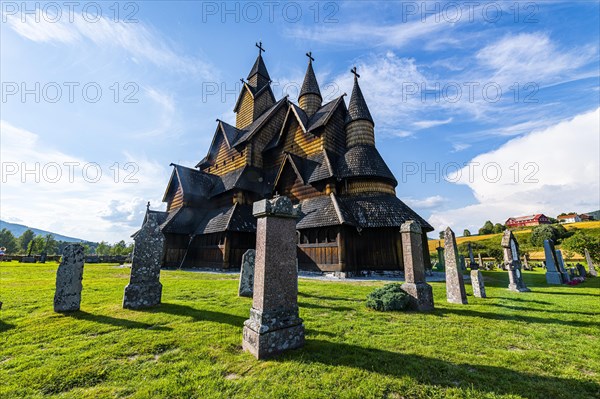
{"x": 543, "y": 344}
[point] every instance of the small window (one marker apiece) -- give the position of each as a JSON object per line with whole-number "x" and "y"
{"x": 331, "y": 235}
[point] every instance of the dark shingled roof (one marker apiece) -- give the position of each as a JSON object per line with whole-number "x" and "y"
{"x": 318, "y": 212}
{"x": 310, "y": 84}
{"x": 231, "y": 132}
{"x": 363, "y": 161}
{"x": 232, "y": 218}
{"x": 321, "y": 117}
{"x": 196, "y": 185}
{"x": 318, "y": 167}
{"x": 381, "y": 210}
{"x": 357, "y": 109}
{"x": 246, "y": 178}
{"x": 182, "y": 220}
{"x": 260, "y": 68}
{"x": 249, "y": 130}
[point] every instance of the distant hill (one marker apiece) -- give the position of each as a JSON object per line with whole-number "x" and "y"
{"x": 18, "y": 229}
{"x": 595, "y": 214}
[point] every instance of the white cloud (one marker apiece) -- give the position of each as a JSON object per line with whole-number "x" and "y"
{"x": 559, "y": 169}
{"x": 137, "y": 39}
{"x": 457, "y": 147}
{"x": 425, "y": 203}
{"x": 59, "y": 198}
{"x": 431, "y": 123}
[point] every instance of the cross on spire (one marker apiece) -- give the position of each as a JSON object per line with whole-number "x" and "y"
{"x": 356, "y": 75}
{"x": 148, "y": 206}
{"x": 260, "y": 48}
{"x": 309, "y": 55}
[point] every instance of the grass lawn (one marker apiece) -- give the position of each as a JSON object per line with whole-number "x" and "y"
{"x": 543, "y": 344}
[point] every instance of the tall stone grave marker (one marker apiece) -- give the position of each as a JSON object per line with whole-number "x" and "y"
{"x": 144, "y": 288}
{"x": 472, "y": 264}
{"x": 441, "y": 261}
{"x": 455, "y": 284}
{"x": 421, "y": 294}
{"x": 561, "y": 266}
{"x": 526, "y": 262}
{"x": 67, "y": 297}
{"x": 591, "y": 267}
{"x": 553, "y": 274}
{"x": 274, "y": 325}
{"x": 480, "y": 260}
{"x": 462, "y": 263}
{"x": 512, "y": 262}
{"x": 246, "y": 287}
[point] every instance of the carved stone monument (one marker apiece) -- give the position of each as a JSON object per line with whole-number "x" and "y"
{"x": 512, "y": 262}
{"x": 562, "y": 267}
{"x": 274, "y": 325}
{"x": 472, "y": 264}
{"x": 144, "y": 288}
{"x": 441, "y": 260}
{"x": 421, "y": 294}
{"x": 67, "y": 297}
{"x": 591, "y": 267}
{"x": 455, "y": 284}
{"x": 246, "y": 287}
{"x": 553, "y": 274}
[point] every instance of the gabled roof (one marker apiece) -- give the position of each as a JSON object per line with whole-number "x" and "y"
{"x": 254, "y": 93}
{"x": 322, "y": 211}
{"x": 230, "y": 134}
{"x": 195, "y": 184}
{"x": 319, "y": 119}
{"x": 363, "y": 161}
{"x": 247, "y": 178}
{"x": 259, "y": 67}
{"x": 255, "y": 126}
{"x": 297, "y": 165}
{"x": 310, "y": 85}
{"x": 319, "y": 166}
{"x": 231, "y": 218}
{"x": 357, "y": 108}
{"x": 381, "y": 210}
{"x": 182, "y": 220}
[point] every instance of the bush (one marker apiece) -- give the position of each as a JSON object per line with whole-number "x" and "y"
{"x": 387, "y": 298}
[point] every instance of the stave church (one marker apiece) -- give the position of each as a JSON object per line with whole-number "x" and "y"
{"x": 321, "y": 156}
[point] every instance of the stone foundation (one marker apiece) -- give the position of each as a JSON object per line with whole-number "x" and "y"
{"x": 421, "y": 296}
{"x": 139, "y": 296}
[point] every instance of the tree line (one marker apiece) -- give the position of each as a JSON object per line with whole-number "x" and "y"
{"x": 29, "y": 242}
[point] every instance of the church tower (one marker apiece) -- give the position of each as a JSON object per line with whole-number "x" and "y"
{"x": 360, "y": 128}
{"x": 310, "y": 98}
{"x": 256, "y": 95}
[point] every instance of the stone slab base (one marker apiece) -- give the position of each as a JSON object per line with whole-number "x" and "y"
{"x": 516, "y": 288}
{"x": 139, "y": 296}
{"x": 421, "y": 296}
{"x": 272, "y": 343}
{"x": 553, "y": 278}
{"x": 67, "y": 302}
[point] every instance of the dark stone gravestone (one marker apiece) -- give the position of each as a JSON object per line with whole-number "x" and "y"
{"x": 274, "y": 325}
{"x": 246, "y": 287}
{"x": 581, "y": 270}
{"x": 553, "y": 274}
{"x": 421, "y": 294}
{"x": 512, "y": 262}
{"x": 441, "y": 260}
{"x": 144, "y": 288}
{"x": 561, "y": 266}
{"x": 455, "y": 284}
{"x": 591, "y": 267}
{"x": 67, "y": 297}
{"x": 472, "y": 264}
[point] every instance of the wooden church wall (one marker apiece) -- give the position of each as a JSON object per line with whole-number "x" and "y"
{"x": 373, "y": 249}
{"x": 245, "y": 112}
{"x": 318, "y": 249}
{"x": 227, "y": 159}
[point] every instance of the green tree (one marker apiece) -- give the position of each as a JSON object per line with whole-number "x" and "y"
{"x": 38, "y": 244}
{"x": 579, "y": 241}
{"x": 441, "y": 235}
{"x": 25, "y": 239}
{"x": 50, "y": 245}
{"x": 488, "y": 228}
{"x": 119, "y": 248}
{"x": 8, "y": 241}
{"x": 466, "y": 233}
{"x": 541, "y": 233}
{"x": 103, "y": 248}
{"x": 498, "y": 228}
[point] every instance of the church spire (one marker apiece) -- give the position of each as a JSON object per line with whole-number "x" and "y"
{"x": 259, "y": 76}
{"x": 310, "y": 98}
{"x": 360, "y": 128}
{"x": 357, "y": 108}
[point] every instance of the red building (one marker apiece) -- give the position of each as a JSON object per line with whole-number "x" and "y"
{"x": 531, "y": 220}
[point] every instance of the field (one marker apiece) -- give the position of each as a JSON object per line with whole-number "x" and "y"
{"x": 523, "y": 235}
{"x": 543, "y": 344}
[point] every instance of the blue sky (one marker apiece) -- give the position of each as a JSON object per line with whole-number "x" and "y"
{"x": 176, "y": 68}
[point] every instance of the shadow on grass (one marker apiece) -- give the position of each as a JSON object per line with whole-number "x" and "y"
{"x": 113, "y": 321}
{"x": 5, "y": 326}
{"x": 315, "y": 306}
{"x": 197, "y": 314}
{"x": 523, "y": 300}
{"x": 328, "y": 298}
{"x": 505, "y": 317}
{"x": 526, "y": 309}
{"x": 431, "y": 371}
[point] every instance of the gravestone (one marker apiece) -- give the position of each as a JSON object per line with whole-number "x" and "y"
{"x": 274, "y": 325}
{"x": 553, "y": 274}
{"x": 512, "y": 262}
{"x": 561, "y": 266}
{"x": 526, "y": 263}
{"x": 480, "y": 260}
{"x": 472, "y": 264}
{"x": 421, "y": 294}
{"x": 144, "y": 288}
{"x": 441, "y": 261}
{"x": 478, "y": 284}
{"x": 581, "y": 270}
{"x": 67, "y": 297}
{"x": 461, "y": 261}
{"x": 591, "y": 267}
{"x": 246, "y": 287}
{"x": 455, "y": 284}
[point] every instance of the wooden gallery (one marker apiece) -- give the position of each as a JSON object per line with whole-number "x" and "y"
{"x": 322, "y": 156}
